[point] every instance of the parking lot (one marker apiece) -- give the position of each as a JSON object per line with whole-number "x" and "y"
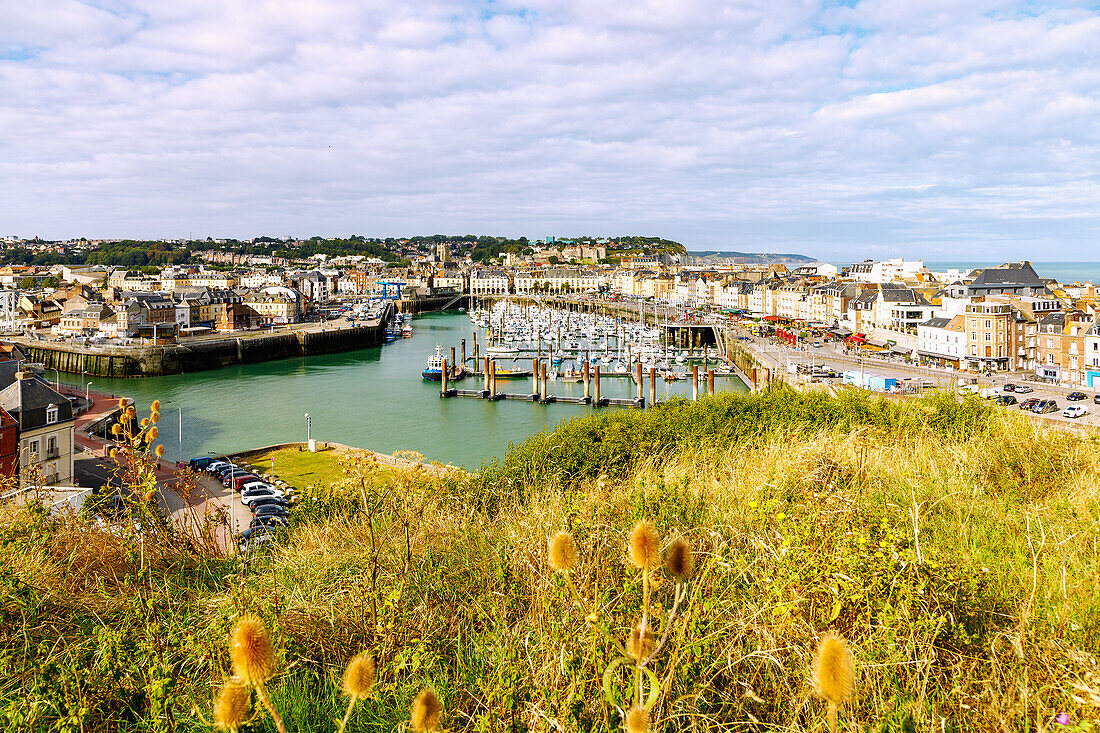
{"x": 832, "y": 355}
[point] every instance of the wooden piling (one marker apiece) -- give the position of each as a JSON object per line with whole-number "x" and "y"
{"x": 542, "y": 382}
{"x": 535, "y": 375}
{"x": 597, "y": 383}
{"x": 710, "y": 382}
{"x": 652, "y": 386}
{"x": 477, "y": 360}
{"x": 694, "y": 382}
{"x": 485, "y": 374}
{"x": 463, "y": 353}
{"x": 587, "y": 384}
{"x": 454, "y": 364}
{"x": 443, "y": 391}
{"x": 639, "y": 375}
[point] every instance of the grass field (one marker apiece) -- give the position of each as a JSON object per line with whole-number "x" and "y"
{"x": 956, "y": 547}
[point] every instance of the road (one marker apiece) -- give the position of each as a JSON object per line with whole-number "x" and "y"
{"x": 192, "y": 512}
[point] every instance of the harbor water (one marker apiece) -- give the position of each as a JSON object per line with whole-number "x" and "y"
{"x": 373, "y": 398}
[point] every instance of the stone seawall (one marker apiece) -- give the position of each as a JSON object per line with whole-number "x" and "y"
{"x": 199, "y": 355}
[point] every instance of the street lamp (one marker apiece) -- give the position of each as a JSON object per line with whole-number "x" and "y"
{"x": 180, "y": 408}
{"x": 86, "y": 386}
{"x": 309, "y": 439}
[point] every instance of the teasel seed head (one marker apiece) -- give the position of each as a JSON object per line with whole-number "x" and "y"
{"x": 149, "y": 496}
{"x": 153, "y": 433}
{"x": 679, "y": 561}
{"x": 144, "y": 422}
{"x": 114, "y": 453}
{"x": 122, "y": 403}
{"x": 425, "y": 711}
{"x": 637, "y": 720}
{"x": 644, "y": 550}
{"x": 155, "y": 407}
{"x": 251, "y": 651}
{"x": 638, "y": 645}
{"x": 563, "y": 552}
{"x": 116, "y": 429}
{"x": 130, "y": 412}
{"x": 159, "y": 451}
{"x": 359, "y": 676}
{"x": 834, "y": 669}
{"x": 232, "y": 706}
{"x": 154, "y": 416}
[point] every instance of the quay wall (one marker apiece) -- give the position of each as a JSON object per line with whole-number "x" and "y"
{"x": 150, "y": 361}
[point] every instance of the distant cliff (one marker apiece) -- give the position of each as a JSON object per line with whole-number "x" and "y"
{"x": 754, "y": 258}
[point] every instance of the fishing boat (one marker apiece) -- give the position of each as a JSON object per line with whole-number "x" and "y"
{"x": 506, "y": 373}
{"x": 434, "y": 369}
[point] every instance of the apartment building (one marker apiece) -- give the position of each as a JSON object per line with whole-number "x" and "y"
{"x": 941, "y": 341}
{"x": 490, "y": 281}
{"x": 45, "y": 419}
{"x": 989, "y": 328}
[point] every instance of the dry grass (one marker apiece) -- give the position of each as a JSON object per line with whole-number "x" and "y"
{"x": 964, "y": 573}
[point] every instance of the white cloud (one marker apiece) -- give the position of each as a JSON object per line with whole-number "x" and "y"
{"x": 786, "y": 125}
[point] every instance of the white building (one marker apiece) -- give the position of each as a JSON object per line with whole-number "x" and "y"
{"x": 885, "y": 271}
{"x": 942, "y": 341}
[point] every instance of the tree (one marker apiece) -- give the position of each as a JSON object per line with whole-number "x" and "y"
{"x": 553, "y": 260}
{"x": 51, "y": 282}
{"x": 27, "y": 283}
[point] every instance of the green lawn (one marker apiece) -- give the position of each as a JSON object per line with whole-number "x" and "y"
{"x": 301, "y": 468}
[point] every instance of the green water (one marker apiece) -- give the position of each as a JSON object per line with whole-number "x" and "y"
{"x": 372, "y": 398}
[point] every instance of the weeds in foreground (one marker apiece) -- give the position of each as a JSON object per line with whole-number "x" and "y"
{"x": 961, "y": 568}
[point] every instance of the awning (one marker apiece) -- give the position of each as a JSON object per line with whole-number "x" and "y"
{"x": 900, "y": 350}
{"x": 842, "y": 332}
{"x": 878, "y": 344}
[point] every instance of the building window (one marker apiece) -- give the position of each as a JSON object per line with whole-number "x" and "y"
{"x": 51, "y": 414}
{"x": 32, "y": 450}
{"x": 51, "y": 446}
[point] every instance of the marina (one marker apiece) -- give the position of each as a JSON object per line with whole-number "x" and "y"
{"x": 375, "y": 398}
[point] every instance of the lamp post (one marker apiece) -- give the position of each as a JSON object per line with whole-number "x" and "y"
{"x": 82, "y": 373}
{"x": 57, "y": 378}
{"x": 309, "y": 439}
{"x": 87, "y": 385}
{"x": 180, "y": 408}
{"x": 232, "y": 501}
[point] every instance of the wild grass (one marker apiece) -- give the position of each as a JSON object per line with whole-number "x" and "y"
{"x": 955, "y": 548}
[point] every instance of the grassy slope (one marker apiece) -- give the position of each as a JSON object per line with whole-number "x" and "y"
{"x": 955, "y": 547}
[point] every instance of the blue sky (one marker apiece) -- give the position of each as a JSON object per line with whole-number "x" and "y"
{"x": 941, "y": 129}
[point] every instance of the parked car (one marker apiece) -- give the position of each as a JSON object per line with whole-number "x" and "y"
{"x": 215, "y": 466}
{"x": 1075, "y": 411}
{"x": 1076, "y": 396}
{"x": 261, "y": 501}
{"x": 1029, "y": 403}
{"x": 237, "y": 480}
{"x": 257, "y": 484}
{"x": 250, "y": 496}
{"x": 200, "y": 463}
{"x": 817, "y": 344}
{"x": 271, "y": 510}
{"x": 1042, "y": 407}
{"x": 1023, "y": 389}
{"x": 1008, "y": 388}
{"x": 268, "y": 520}
{"x": 1096, "y": 399}
{"x": 1005, "y": 399}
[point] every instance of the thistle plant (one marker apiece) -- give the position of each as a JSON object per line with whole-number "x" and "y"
{"x": 253, "y": 659}
{"x": 834, "y": 668}
{"x": 233, "y": 706}
{"x": 425, "y": 713}
{"x": 641, "y": 646}
{"x": 358, "y": 681}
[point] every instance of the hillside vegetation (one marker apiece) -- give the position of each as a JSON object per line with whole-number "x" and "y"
{"x": 956, "y": 548}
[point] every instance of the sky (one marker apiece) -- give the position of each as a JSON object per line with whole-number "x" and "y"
{"x": 942, "y": 129}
